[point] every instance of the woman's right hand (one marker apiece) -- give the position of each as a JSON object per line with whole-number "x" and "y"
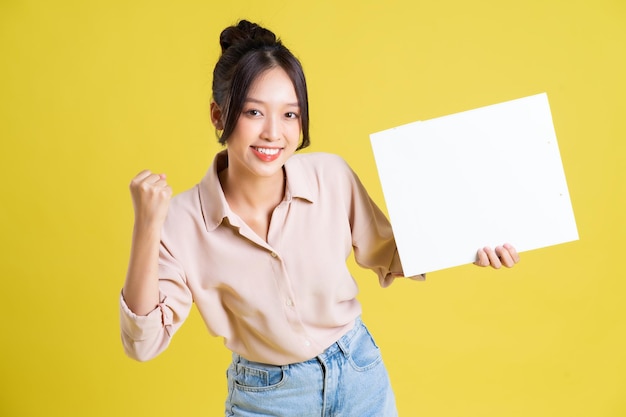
{"x": 151, "y": 196}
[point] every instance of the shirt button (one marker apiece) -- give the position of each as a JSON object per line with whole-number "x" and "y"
{"x": 307, "y": 343}
{"x": 289, "y": 303}
{"x": 274, "y": 255}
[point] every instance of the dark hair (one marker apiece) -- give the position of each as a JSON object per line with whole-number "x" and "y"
{"x": 248, "y": 50}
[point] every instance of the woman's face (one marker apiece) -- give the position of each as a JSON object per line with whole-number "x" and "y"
{"x": 268, "y": 129}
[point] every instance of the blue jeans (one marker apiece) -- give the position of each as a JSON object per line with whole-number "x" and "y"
{"x": 348, "y": 379}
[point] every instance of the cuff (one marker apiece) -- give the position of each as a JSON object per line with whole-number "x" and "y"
{"x": 139, "y": 328}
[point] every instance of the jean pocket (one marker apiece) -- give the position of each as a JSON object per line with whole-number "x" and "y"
{"x": 364, "y": 353}
{"x": 258, "y": 377}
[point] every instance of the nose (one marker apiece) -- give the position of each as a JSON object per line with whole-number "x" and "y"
{"x": 271, "y": 128}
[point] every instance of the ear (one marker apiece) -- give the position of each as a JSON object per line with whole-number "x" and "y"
{"x": 216, "y": 116}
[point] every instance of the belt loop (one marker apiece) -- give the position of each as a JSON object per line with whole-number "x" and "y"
{"x": 344, "y": 341}
{"x": 343, "y": 346}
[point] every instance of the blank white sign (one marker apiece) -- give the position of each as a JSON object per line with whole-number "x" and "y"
{"x": 479, "y": 178}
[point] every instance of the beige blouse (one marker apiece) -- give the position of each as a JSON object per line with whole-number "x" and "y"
{"x": 281, "y": 301}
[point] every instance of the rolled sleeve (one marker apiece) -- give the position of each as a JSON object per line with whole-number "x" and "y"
{"x": 144, "y": 337}
{"x": 395, "y": 271}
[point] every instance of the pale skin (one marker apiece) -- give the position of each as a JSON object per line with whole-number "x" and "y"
{"x": 266, "y": 135}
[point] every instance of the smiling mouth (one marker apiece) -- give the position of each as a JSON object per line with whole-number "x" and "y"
{"x": 267, "y": 151}
{"x": 267, "y": 154}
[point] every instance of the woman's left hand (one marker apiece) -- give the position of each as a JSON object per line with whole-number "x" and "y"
{"x": 502, "y": 255}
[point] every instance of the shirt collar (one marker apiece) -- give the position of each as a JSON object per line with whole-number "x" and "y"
{"x": 300, "y": 180}
{"x": 215, "y": 208}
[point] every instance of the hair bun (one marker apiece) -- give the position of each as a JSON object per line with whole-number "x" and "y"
{"x": 246, "y": 33}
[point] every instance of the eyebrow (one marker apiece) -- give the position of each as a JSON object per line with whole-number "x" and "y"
{"x": 254, "y": 100}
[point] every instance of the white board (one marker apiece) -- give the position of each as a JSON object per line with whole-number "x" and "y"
{"x": 478, "y": 178}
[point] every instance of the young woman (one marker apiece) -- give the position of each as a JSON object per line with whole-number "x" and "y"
{"x": 260, "y": 245}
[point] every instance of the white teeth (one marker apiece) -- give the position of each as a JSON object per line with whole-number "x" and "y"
{"x": 268, "y": 151}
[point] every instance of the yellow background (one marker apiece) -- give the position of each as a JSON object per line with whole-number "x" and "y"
{"x": 93, "y": 91}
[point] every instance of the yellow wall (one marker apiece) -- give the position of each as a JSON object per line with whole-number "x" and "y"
{"x": 93, "y": 91}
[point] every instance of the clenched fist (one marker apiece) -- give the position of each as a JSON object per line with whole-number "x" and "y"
{"x": 151, "y": 196}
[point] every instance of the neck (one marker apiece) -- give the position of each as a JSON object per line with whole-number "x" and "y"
{"x": 249, "y": 192}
